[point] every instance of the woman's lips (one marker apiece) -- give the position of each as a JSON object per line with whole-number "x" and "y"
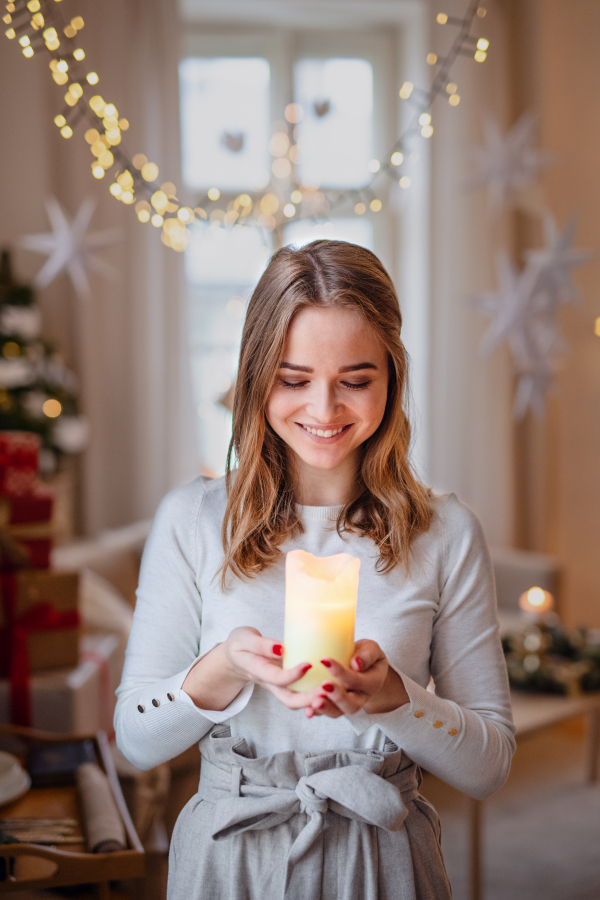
{"x": 324, "y": 435}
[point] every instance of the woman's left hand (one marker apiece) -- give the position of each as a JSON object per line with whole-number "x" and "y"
{"x": 369, "y": 683}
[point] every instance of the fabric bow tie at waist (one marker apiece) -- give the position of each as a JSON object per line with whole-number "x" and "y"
{"x": 351, "y": 791}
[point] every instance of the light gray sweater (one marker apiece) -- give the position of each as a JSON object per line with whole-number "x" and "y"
{"x": 438, "y": 623}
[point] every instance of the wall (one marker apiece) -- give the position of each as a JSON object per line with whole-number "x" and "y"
{"x": 555, "y": 71}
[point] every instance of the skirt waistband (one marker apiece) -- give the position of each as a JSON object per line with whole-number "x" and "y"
{"x": 258, "y": 793}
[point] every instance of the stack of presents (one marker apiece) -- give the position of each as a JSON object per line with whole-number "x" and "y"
{"x": 52, "y": 675}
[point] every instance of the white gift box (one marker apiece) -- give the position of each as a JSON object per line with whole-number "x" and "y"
{"x": 80, "y": 700}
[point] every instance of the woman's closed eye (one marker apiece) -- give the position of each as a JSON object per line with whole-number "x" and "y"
{"x": 354, "y": 386}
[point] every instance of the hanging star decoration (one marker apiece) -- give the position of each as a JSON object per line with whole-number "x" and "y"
{"x": 508, "y": 162}
{"x": 524, "y": 312}
{"x": 70, "y": 249}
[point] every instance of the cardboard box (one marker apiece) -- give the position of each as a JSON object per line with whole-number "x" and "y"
{"x": 78, "y": 700}
{"x": 38, "y": 592}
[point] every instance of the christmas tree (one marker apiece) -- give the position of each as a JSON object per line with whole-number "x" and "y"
{"x": 38, "y": 393}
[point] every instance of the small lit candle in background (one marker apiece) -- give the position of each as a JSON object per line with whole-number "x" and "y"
{"x": 320, "y": 611}
{"x": 536, "y": 600}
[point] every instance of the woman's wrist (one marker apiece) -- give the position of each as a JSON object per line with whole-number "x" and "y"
{"x": 392, "y": 695}
{"x": 213, "y": 683}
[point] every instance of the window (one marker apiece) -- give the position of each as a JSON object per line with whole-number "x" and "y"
{"x": 234, "y": 90}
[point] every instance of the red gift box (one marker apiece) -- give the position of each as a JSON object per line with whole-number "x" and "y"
{"x": 26, "y": 531}
{"x": 19, "y": 462}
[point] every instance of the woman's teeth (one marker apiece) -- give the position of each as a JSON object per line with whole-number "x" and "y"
{"x": 326, "y": 434}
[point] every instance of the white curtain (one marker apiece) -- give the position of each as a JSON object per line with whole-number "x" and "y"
{"x": 470, "y": 425}
{"x": 126, "y": 342}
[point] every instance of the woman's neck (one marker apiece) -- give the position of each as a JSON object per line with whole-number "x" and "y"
{"x": 325, "y": 487}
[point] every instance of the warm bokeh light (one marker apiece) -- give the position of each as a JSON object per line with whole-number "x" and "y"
{"x": 406, "y": 90}
{"x": 289, "y": 210}
{"x": 375, "y": 205}
{"x": 281, "y": 167}
{"x": 597, "y": 326}
{"x": 431, "y": 59}
{"x": 279, "y": 144}
{"x": 536, "y": 600}
{"x": 294, "y": 113}
{"x": 404, "y": 182}
{"x": 454, "y": 99}
{"x": 374, "y": 165}
{"x": 150, "y": 171}
{"x": 92, "y": 78}
{"x": 139, "y": 160}
{"x": 397, "y": 158}
{"x": 360, "y": 209}
{"x": 441, "y": 18}
{"x": 214, "y": 194}
{"x": 52, "y": 408}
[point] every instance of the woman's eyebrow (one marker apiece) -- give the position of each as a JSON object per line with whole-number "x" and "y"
{"x": 357, "y": 368}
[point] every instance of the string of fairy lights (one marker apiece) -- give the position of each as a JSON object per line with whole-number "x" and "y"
{"x": 39, "y": 26}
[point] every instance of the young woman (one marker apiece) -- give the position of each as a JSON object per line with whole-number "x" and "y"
{"x": 315, "y": 796}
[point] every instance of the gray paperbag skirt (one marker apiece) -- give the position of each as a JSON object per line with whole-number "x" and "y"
{"x": 341, "y": 825}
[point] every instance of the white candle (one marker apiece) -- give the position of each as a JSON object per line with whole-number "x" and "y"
{"x": 320, "y": 611}
{"x": 536, "y": 600}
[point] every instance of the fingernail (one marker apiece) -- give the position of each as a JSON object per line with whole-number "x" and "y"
{"x": 278, "y": 649}
{"x": 322, "y": 697}
{"x": 326, "y": 663}
{"x": 359, "y": 663}
{"x": 306, "y": 667}
{"x": 328, "y": 687}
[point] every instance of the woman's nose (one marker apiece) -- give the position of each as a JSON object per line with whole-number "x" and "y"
{"x": 324, "y": 403}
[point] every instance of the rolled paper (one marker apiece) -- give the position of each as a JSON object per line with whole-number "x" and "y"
{"x": 104, "y": 829}
{"x": 320, "y": 611}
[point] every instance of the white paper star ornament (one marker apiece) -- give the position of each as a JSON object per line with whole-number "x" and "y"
{"x": 509, "y": 162}
{"x": 69, "y": 248}
{"x": 556, "y": 260}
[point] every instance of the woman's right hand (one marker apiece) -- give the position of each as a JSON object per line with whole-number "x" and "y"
{"x": 216, "y": 679}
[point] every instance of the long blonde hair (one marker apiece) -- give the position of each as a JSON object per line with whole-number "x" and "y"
{"x": 389, "y": 504}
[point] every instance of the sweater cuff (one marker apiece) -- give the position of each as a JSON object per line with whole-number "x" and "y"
{"x": 424, "y": 710}
{"x": 217, "y": 716}
{"x": 221, "y": 715}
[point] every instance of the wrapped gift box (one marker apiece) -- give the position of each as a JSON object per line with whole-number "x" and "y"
{"x": 19, "y": 462}
{"x": 38, "y": 601}
{"x": 77, "y": 700}
{"x": 26, "y": 530}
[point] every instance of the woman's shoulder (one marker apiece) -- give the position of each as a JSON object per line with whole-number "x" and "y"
{"x": 186, "y": 501}
{"x": 456, "y": 518}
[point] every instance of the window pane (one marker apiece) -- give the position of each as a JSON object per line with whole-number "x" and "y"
{"x": 222, "y": 266}
{"x": 355, "y": 231}
{"x": 335, "y": 136}
{"x": 225, "y": 122}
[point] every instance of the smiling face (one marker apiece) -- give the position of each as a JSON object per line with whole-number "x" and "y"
{"x": 331, "y": 389}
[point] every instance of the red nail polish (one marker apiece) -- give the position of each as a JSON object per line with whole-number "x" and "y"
{"x": 322, "y": 697}
{"x": 326, "y": 663}
{"x": 278, "y": 649}
{"x": 360, "y": 664}
{"x": 328, "y": 687}
{"x": 306, "y": 668}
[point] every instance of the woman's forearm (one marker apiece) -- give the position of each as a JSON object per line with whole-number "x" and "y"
{"x": 211, "y": 683}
